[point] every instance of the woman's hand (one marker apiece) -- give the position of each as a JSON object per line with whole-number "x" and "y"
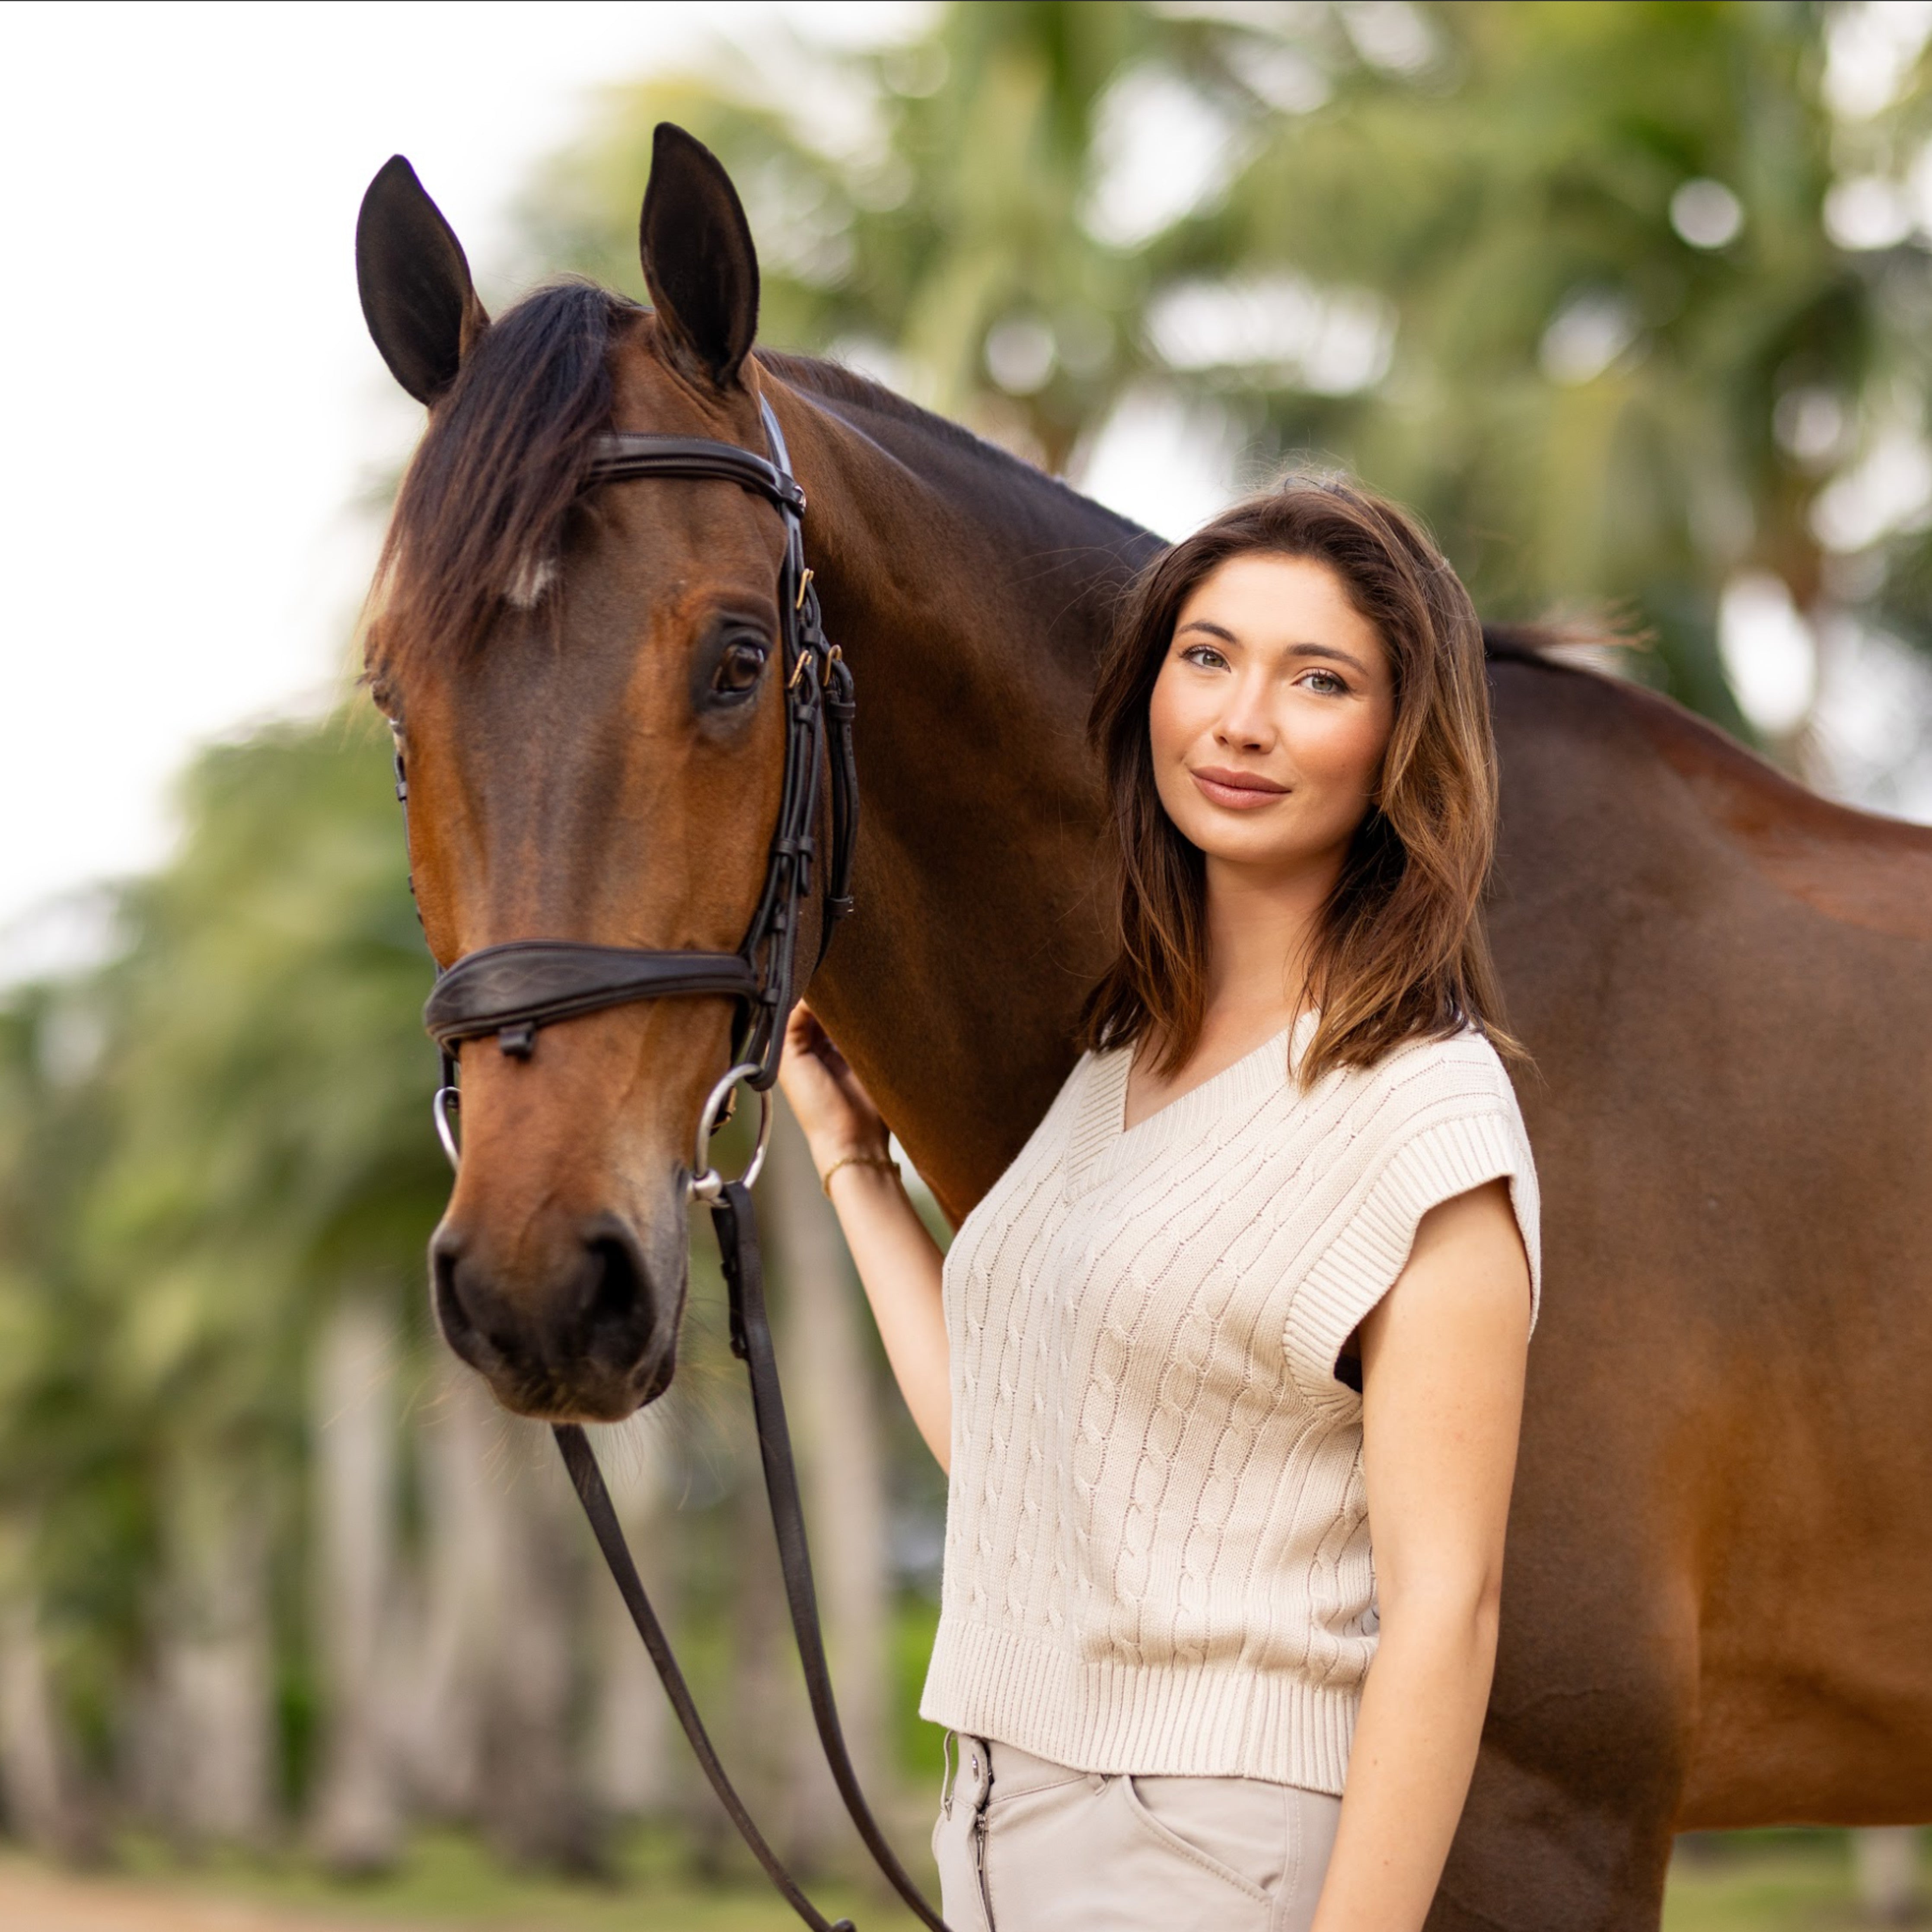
{"x": 832, "y": 1106}
{"x": 899, "y": 1262}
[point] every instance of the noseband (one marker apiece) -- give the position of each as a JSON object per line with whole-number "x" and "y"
{"x": 511, "y": 992}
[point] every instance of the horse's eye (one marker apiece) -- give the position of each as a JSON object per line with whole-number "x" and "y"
{"x": 738, "y": 670}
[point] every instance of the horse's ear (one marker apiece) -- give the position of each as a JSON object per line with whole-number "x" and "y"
{"x": 699, "y": 262}
{"x": 417, "y": 297}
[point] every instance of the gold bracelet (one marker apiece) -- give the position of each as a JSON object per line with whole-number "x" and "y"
{"x": 855, "y": 1160}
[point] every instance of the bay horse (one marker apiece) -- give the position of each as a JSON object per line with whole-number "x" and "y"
{"x": 1718, "y": 1606}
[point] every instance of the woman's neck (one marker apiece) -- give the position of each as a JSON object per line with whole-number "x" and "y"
{"x": 1261, "y": 925}
{"x": 1259, "y": 928}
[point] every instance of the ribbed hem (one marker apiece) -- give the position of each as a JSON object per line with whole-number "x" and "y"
{"x": 1361, "y": 1264}
{"x": 1228, "y": 1721}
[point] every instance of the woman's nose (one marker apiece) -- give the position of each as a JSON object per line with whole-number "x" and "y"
{"x": 1246, "y": 724}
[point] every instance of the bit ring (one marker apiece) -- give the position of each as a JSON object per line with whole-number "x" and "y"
{"x": 706, "y": 1184}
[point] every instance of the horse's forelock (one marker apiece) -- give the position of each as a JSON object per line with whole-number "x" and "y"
{"x": 479, "y": 517}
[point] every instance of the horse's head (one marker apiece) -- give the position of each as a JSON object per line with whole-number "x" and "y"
{"x": 586, "y": 684}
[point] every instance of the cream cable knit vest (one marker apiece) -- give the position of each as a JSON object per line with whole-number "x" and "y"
{"x": 1157, "y": 1552}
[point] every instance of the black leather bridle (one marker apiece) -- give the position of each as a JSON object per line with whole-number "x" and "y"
{"x": 513, "y": 990}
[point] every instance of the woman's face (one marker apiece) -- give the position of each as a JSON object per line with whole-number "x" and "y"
{"x": 1271, "y": 715}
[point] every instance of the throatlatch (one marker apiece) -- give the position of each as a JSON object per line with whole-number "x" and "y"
{"x": 513, "y": 990}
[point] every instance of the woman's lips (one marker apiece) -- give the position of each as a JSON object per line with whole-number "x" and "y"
{"x": 1237, "y": 791}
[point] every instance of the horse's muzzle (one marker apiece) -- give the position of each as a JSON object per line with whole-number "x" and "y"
{"x": 578, "y": 1332}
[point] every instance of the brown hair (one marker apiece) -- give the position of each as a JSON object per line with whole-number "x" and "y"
{"x": 482, "y": 505}
{"x": 1399, "y": 952}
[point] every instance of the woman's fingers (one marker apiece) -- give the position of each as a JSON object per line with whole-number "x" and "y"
{"x": 828, "y": 1097}
{"x": 810, "y": 1071}
{"x": 822, "y": 1044}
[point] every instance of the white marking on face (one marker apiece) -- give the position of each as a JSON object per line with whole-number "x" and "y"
{"x": 529, "y": 580}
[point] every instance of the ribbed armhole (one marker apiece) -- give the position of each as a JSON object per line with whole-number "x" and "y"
{"x": 1360, "y": 1265}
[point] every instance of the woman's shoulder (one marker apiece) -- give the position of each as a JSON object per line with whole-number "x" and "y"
{"x": 1465, "y": 1059}
{"x": 1461, "y": 1073}
{"x": 1467, "y": 1055}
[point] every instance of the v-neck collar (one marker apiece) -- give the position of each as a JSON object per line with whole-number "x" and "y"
{"x": 1100, "y": 1128}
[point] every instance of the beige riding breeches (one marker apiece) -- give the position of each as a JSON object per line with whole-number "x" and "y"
{"x": 1026, "y": 1845}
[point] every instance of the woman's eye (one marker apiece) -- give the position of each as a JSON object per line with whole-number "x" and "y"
{"x": 1326, "y": 682}
{"x": 738, "y": 670}
{"x": 1205, "y": 656}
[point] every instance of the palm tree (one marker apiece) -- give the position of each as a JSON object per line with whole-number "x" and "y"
{"x": 70, "y": 1540}
{"x": 1559, "y": 276}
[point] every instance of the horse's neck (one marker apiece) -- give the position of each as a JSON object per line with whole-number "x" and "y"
{"x": 970, "y": 596}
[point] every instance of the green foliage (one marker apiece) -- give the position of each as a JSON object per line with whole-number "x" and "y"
{"x": 269, "y": 1071}
{"x": 938, "y": 198}
{"x": 1436, "y": 244}
{"x": 199, "y": 1145}
{"x": 1584, "y": 401}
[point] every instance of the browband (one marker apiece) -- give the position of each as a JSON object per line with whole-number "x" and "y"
{"x": 622, "y": 456}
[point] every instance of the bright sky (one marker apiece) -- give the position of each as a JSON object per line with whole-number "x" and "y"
{"x": 192, "y": 399}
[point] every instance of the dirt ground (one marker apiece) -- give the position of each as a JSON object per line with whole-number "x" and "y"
{"x": 35, "y": 1900}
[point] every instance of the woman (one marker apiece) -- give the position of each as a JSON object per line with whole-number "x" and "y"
{"x": 1227, "y": 1368}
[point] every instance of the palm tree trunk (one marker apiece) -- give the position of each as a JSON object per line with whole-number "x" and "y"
{"x": 215, "y": 1664}
{"x": 534, "y": 1807}
{"x": 39, "y": 1793}
{"x": 503, "y": 1601}
{"x": 1884, "y": 1861}
{"x": 451, "y": 1603}
{"x": 358, "y": 1822}
{"x": 767, "y": 1710}
{"x": 632, "y": 1769}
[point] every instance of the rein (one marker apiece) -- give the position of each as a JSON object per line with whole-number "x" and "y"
{"x": 512, "y": 991}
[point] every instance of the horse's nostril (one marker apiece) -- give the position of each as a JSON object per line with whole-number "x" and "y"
{"x": 452, "y": 1317}
{"x": 616, "y": 1287}
{"x": 472, "y": 1322}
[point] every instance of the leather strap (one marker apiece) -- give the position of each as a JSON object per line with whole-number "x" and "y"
{"x": 588, "y": 1481}
{"x": 534, "y": 982}
{"x": 736, "y": 1227}
{"x": 751, "y": 1342}
{"x": 622, "y": 456}
{"x": 842, "y": 712}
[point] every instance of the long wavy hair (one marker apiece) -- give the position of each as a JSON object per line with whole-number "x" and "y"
{"x": 1399, "y": 951}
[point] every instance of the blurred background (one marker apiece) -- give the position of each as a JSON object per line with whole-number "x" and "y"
{"x": 1634, "y": 301}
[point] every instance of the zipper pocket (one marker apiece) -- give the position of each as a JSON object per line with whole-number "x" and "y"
{"x": 980, "y": 1867}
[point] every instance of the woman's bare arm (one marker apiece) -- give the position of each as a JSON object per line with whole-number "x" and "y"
{"x": 1443, "y": 1356}
{"x": 899, "y": 1262}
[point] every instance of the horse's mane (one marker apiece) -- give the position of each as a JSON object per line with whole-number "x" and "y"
{"x": 481, "y": 511}
{"x": 834, "y": 382}
{"x": 480, "y": 515}
{"x": 1532, "y": 643}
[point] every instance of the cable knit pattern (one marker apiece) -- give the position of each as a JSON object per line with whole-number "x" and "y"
{"x": 1157, "y": 1555}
